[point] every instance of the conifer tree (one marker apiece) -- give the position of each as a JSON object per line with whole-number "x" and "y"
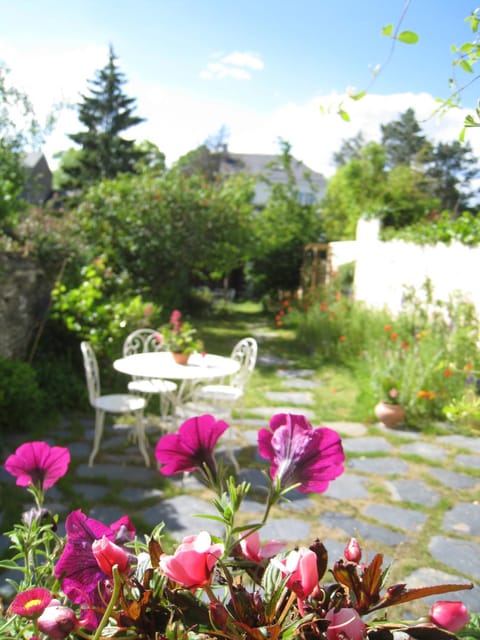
{"x": 106, "y": 113}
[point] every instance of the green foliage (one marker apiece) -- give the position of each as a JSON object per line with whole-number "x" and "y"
{"x": 440, "y": 228}
{"x": 281, "y": 230}
{"x": 420, "y": 354}
{"x": 169, "y": 232}
{"x": 101, "y": 310}
{"x": 22, "y": 402}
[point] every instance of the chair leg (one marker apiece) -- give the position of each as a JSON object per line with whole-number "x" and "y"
{"x": 99, "y": 421}
{"x": 140, "y": 431}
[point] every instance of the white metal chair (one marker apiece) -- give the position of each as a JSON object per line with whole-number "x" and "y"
{"x": 118, "y": 403}
{"x": 144, "y": 341}
{"x": 229, "y": 393}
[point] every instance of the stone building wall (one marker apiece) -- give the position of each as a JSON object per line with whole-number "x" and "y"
{"x": 24, "y": 295}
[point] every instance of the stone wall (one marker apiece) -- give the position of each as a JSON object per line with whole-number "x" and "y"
{"x": 24, "y": 295}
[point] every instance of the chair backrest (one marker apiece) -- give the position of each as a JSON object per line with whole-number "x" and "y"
{"x": 142, "y": 341}
{"x": 244, "y": 352}
{"x": 91, "y": 371}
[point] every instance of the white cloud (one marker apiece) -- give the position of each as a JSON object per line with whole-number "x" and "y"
{"x": 233, "y": 65}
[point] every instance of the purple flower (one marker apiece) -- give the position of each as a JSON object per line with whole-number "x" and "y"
{"x": 192, "y": 447}
{"x": 301, "y": 454}
{"x": 82, "y": 579}
{"x": 38, "y": 464}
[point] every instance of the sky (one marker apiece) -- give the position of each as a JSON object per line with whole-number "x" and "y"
{"x": 260, "y": 70}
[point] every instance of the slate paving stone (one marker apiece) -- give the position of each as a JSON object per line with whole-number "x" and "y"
{"x": 295, "y": 373}
{"x": 91, "y": 492}
{"x": 146, "y": 475}
{"x": 107, "y": 513}
{"x": 179, "y": 516}
{"x": 298, "y": 502}
{"x": 347, "y": 487}
{"x": 461, "y": 555}
{"x": 453, "y": 479}
{"x": 268, "y": 360}
{"x": 136, "y": 495}
{"x": 301, "y": 383}
{"x": 79, "y": 450}
{"x": 462, "y": 442}
{"x": 413, "y": 491}
{"x": 293, "y": 397}
{"x": 252, "y": 506}
{"x": 406, "y": 519}
{"x": 360, "y": 528}
{"x": 378, "y": 466}
{"x": 465, "y": 460}
{"x": 288, "y": 529}
{"x": 367, "y": 445}
{"x": 268, "y": 412}
{"x": 463, "y": 518}
{"x": 424, "y": 450}
{"x": 427, "y": 577}
{"x": 352, "y": 429}
{"x": 254, "y": 476}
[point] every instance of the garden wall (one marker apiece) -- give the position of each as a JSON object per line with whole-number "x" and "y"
{"x": 382, "y": 269}
{"x": 24, "y": 294}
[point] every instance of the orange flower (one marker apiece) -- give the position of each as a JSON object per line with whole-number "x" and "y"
{"x": 387, "y": 327}
{"x": 405, "y": 345}
{"x": 323, "y": 306}
{"x": 468, "y": 366}
{"x": 447, "y": 373}
{"x": 393, "y": 335}
{"x": 342, "y": 338}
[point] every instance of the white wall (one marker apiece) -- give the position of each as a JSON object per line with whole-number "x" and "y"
{"x": 383, "y": 268}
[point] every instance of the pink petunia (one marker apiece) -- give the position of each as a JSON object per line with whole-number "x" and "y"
{"x": 298, "y": 453}
{"x": 39, "y": 464}
{"x": 192, "y": 447}
{"x": 252, "y": 549}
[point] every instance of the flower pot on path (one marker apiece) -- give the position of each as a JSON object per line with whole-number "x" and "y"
{"x": 180, "y": 358}
{"x": 391, "y": 415}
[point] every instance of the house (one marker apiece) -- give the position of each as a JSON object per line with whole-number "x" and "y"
{"x": 38, "y": 179}
{"x": 310, "y": 184}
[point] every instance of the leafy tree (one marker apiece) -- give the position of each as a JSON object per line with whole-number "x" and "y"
{"x": 105, "y": 113}
{"x": 350, "y": 149}
{"x": 357, "y": 189}
{"x": 281, "y": 230}
{"x": 402, "y": 140}
{"x": 453, "y": 167}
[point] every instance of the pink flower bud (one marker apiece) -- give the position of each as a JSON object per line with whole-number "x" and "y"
{"x": 449, "y": 614}
{"x": 345, "y": 623}
{"x": 57, "y": 621}
{"x": 107, "y": 554}
{"x": 352, "y": 551}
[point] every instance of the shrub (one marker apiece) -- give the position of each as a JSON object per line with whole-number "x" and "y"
{"x": 22, "y": 402}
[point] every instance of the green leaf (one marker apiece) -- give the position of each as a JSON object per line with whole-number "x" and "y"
{"x": 466, "y": 66}
{"x": 387, "y": 30}
{"x": 358, "y": 96}
{"x": 408, "y": 37}
{"x": 344, "y": 115}
{"x": 461, "y": 137}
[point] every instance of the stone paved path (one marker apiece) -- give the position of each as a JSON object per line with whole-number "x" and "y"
{"x": 394, "y": 484}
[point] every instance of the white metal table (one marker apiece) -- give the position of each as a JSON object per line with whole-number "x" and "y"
{"x": 162, "y": 365}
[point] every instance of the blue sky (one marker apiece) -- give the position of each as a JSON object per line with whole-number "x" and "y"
{"x": 261, "y": 69}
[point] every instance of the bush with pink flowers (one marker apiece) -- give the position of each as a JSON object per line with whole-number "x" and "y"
{"x": 102, "y": 581}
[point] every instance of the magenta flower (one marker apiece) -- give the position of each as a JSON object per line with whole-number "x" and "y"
{"x": 31, "y": 603}
{"x": 83, "y": 581}
{"x": 449, "y": 614}
{"x": 57, "y": 621}
{"x": 38, "y": 464}
{"x": 192, "y": 447}
{"x": 301, "y": 454}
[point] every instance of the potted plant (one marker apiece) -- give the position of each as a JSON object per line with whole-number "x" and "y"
{"x": 179, "y": 338}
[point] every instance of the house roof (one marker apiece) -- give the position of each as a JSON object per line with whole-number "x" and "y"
{"x": 32, "y": 159}
{"x": 268, "y": 166}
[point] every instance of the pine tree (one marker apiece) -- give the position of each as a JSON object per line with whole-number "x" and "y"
{"x": 105, "y": 113}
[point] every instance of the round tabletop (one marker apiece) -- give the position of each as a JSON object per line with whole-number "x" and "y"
{"x": 162, "y": 365}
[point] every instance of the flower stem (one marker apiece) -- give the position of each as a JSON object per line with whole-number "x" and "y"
{"x": 117, "y": 583}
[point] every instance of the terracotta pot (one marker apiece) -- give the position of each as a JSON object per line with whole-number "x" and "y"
{"x": 180, "y": 358}
{"x": 391, "y": 415}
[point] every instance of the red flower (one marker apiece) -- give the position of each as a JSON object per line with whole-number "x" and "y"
{"x": 39, "y": 464}
{"x": 31, "y": 603}
{"x": 192, "y": 447}
{"x": 301, "y": 454}
{"x": 447, "y": 373}
{"x": 393, "y": 335}
{"x": 107, "y": 554}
